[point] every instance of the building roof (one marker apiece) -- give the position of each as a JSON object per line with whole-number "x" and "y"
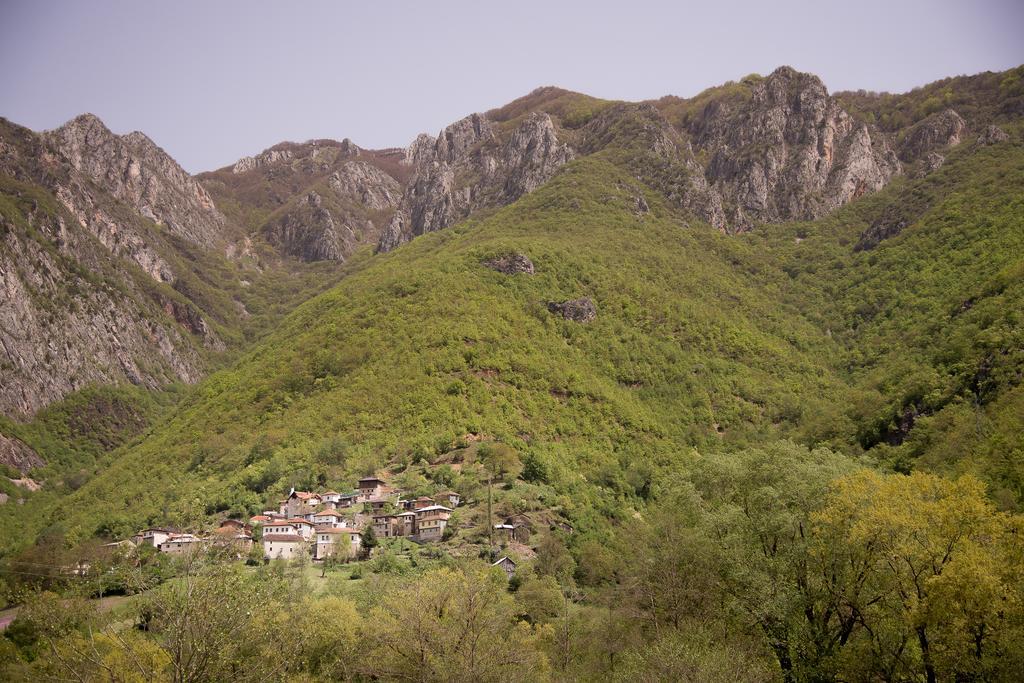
{"x": 329, "y": 530}
{"x": 300, "y": 521}
{"x": 503, "y": 558}
{"x": 259, "y": 518}
{"x": 328, "y": 513}
{"x": 371, "y": 479}
{"x": 329, "y": 493}
{"x": 182, "y": 538}
{"x": 432, "y": 508}
{"x": 284, "y": 538}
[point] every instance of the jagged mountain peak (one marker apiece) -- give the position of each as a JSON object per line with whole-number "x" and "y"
{"x": 138, "y": 172}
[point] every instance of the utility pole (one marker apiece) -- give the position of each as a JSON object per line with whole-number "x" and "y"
{"x": 490, "y": 519}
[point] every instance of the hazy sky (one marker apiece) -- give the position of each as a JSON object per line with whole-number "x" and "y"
{"x": 211, "y": 81}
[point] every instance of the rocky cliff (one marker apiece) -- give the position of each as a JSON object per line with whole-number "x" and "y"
{"x": 140, "y": 174}
{"x": 314, "y": 201}
{"x": 86, "y": 293}
{"x": 788, "y": 151}
{"x": 471, "y": 165}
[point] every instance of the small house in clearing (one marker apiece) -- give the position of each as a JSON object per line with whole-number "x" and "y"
{"x": 450, "y": 497}
{"x": 507, "y": 565}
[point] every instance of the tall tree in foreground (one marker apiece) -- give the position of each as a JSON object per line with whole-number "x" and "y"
{"x": 454, "y": 625}
{"x": 932, "y": 576}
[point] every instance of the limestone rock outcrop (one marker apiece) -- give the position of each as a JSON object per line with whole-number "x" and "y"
{"x": 140, "y": 174}
{"x": 467, "y": 167}
{"x": 75, "y": 305}
{"x": 582, "y": 310}
{"x": 942, "y": 129}
{"x": 790, "y": 151}
{"x": 992, "y": 135}
{"x": 511, "y": 264}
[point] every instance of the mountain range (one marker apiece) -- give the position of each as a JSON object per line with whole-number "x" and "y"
{"x": 608, "y": 286}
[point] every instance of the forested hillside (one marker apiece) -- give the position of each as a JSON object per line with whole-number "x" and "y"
{"x": 725, "y": 423}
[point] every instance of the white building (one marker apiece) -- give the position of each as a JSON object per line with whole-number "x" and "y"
{"x": 152, "y": 537}
{"x": 282, "y": 546}
{"x": 181, "y": 543}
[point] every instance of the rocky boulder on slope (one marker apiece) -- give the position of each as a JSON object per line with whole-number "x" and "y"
{"x": 582, "y": 310}
{"x": 511, "y": 264}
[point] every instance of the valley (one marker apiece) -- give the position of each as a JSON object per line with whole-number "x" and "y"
{"x": 686, "y": 354}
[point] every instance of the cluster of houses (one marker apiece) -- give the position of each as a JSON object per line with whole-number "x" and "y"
{"x": 324, "y": 525}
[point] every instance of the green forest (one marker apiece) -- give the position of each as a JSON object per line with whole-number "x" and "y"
{"x": 784, "y": 455}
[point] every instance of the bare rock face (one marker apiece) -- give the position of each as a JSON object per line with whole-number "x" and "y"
{"x": 60, "y": 331}
{"x": 511, "y": 264}
{"x": 271, "y": 156}
{"x": 309, "y": 232}
{"x": 136, "y": 171}
{"x": 360, "y": 182}
{"x": 891, "y": 223}
{"x": 943, "y": 129}
{"x": 421, "y": 151}
{"x": 532, "y": 155}
{"x": 933, "y": 162}
{"x": 993, "y": 135}
{"x": 74, "y": 309}
{"x": 580, "y": 310}
{"x": 330, "y": 222}
{"x": 466, "y": 167}
{"x": 17, "y": 454}
{"x": 789, "y": 152}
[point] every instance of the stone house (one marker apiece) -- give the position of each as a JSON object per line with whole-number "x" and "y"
{"x": 298, "y": 503}
{"x": 179, "y": 544}
{"x": 507, "y": 565}
{"x": 370, "y": 488}
{"x": 332, "y": 541}
{"x": 385, "y": 526}
{"x": 431, "y": 522}
{"x": 283, "y": 546}
{"x": 299, "y": 527}
{"x": 237, "y": 541}
{"x": 330, "y": 517}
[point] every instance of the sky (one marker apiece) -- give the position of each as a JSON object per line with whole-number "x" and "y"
{"x": 214, "y": 80}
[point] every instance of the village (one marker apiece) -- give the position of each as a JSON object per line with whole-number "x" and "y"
{"x": 329, "y": 526}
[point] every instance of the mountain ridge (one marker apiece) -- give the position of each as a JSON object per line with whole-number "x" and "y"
{"x": 631, "y": 166}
